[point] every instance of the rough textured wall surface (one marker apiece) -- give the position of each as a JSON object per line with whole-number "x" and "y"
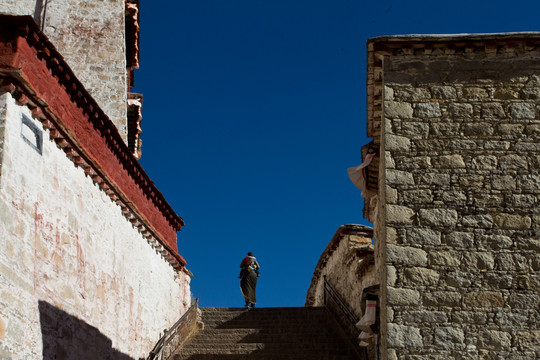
{"x": 462, "y": 152}
{"x": 90, "y": 35}
{"x": 73, "y": 270}
{"x": 348, "y": 273}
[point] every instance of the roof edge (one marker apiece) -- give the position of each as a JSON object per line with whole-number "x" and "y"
{"x": 442, "y": 38}
{"x": 21, "y": 38}
{"x": 26, "y": 27}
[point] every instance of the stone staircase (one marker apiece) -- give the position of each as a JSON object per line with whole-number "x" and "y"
{"x": 268, "y": 333}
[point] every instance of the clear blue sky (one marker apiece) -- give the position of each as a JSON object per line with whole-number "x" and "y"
{"x": 253, "y": 110}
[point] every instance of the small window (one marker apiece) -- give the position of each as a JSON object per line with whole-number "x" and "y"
{"x": 31, "y": 134}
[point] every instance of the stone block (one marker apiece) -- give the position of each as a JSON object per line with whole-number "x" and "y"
{"x": 442, "y": 218}
{"x": 506, "y": 94}
{"x": 459, "y": 111}
{"x": 443, "y": 92}
{"x": 423, "y": 236}
{"x": 469, "y": 317}
{"x": 451, "y": 162}
{"x": 458, "y": 279}
{"x": 530, "y": 93}
{"x": 522, "y": 282}
{"x": 512, "y": 222}
{"x": 479, "y": 260}
{"x": 428, "y": 110}
{"x": 535, "y": 261}
{"x": 4, "y": 353}
{"x": 389, "y": 160}
{"x": 521, "y": 201}
{"x": 391, "y": 275}
{"x": 425, "y": 316}
{"x": 497, "y": 280}
{"x": 397, "y": 143}
{"x": 528, "y": 243}
{"x": 524, "y": 301}
{"x": 396, "y": 214}
{"x": 475, "y": 93}
{"x": 477, "y": 221}
{"x": 494, "y": 340}
{"x": 405, "y": 255}
{"x": 459, "y": 239}
{"x": 414, "y": 130}
{"x": 412, "y": 94}
{"x": 391, "y": 195}
{"x": 532, "y": 130}
{"x": 388, "y": 93}
{"x": 493, "y": 111}
{"x": 497, "y": 242}
{"x": 527, "y": 146}
{"x": 483, "y": 299}
{"x": 496, "y": 145}
{"x": 449, "y": 259}
{"x": 472, "y": 181}
{"x": 402, "y": 336}
{"x": 402, "y": 297}
{"x": 414, "y": 163}
{"x": 2, "y": 329}
{"x": 529, "y": 183}
{"x": 419, "y": 276}
{"x": 511, "y": 262}
{"x": 503, "y": 182}
{"x": 522, "y": 110}
{"x": 391, "y": 235}
{"x": 400, "y": 110}
{"x": 513, "y": 162}
{"x": 511, "y": 129}
{"x": 441, "y": 298}
{"x": 445, "y": 129}
{"x": 461, "y": 145}
{"x": 423, "y": 196}
{"x": 507, "y": 318}
{"x": 478, "y": 130}
{"x": 529, "y": 340}
{"x": 449, "y": 338}
{"x": 398, "y": 177}
{"x": 428, "y": 146}
{"x": 454, "y": 197}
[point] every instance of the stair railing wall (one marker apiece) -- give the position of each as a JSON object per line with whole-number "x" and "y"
{"x": 343, "y": 314}
{"x": 174, "y": 337}
{"x": 334, "y": 301}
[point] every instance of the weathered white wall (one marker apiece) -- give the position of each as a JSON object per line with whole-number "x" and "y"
{"x": 70, "y": 262}
{"x": 90, "y": 35}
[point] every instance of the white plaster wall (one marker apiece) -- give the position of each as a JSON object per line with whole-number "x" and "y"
{"x": 65, "y": 243}
{"x": 18, "y": 7}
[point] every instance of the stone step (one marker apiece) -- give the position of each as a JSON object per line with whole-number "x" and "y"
{"x": 259, "y": 356}
{"x": 250, "y": 335}
{"x": 268, "y": 333}
{"x": 277, "y": 343}
{"x": 336, "y": 348}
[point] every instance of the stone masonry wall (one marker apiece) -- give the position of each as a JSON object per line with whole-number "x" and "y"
{"x": 73, "y": 270}
{"x": 90, "y": 35}
{"x": 462, "y": 156}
